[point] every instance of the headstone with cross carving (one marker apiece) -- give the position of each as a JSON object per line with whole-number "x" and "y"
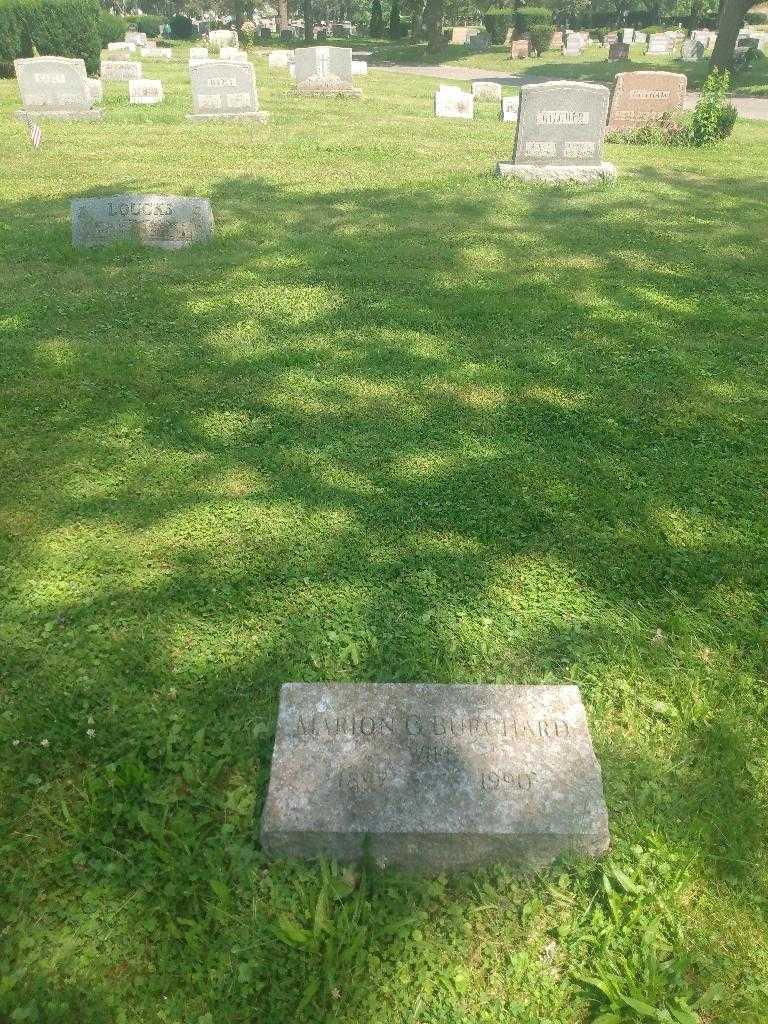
{"x": 324, "y": 71}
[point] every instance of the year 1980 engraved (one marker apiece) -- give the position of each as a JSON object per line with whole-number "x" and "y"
{"x": 521, "y": 781}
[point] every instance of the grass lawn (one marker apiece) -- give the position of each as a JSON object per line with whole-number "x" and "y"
{"x": 592, "y": 65}
{"x": 402, "y": 420}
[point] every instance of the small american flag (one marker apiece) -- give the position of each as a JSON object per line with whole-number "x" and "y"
{"x": 35, "y": 135}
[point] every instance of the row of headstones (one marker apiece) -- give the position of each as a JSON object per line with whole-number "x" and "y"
{"x": 561, "y": 125}
{"x": 59, "y": 86}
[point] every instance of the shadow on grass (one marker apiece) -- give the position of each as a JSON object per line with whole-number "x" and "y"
{"x": 372, "y": 435}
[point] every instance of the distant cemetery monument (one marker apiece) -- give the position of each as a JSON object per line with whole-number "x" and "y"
{"x": 560, "y": 128}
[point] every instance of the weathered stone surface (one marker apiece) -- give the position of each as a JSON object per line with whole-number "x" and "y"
{"x": 280, "y": 58}
{"x": 642, "y": 96}
{"x": 219, "y": 37}
{"x": 120, "y": 70}
{"x": 55, "y": 87}
{"x": 553, "y": 175}
{"x": 692, "y": 49}
{"x": 432, "y": 778}
{"x": 519, "y": 49}
{"x": 486, "y": 92}
{"x": 197, "y": 53}
{"x": 224, "y": 89}
{"x": 145, "y": 91}
{"x": 561, "y": 124}
{"x": 450, "y": 101}
{"x": 324, "y": 71}
{"x": 618, "y": 51}
{"x": 660, "y": 42}
{"x": 137, "y": 38}
{"x": 167, "y": 222}
{"x": 510, "y": 106}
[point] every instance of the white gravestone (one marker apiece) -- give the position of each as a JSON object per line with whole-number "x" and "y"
{"x": 450, "y": 101}
{"x": 55, "y": 87}
{"x": 627, "y": 35}
{"x": 165, "y": 222}
{"x": 96, "y": 89}
{"x": 222, "y": 89}
{"x": 157, "y": 52}
{"x": 137, "y": 38}
{"x": 489, "y": 92}
{"x": 120, "y": 70}
{"x": 225, "y": 52}
{"x": 324, "y": 71}
{"x": 198, "y": 53}
{"x": 510, "y": 106}
{"x": 222, "y": 37}
{"x": 121, "y": 47}
{"x": 145, "y": 90}
{"x": 279, "y": 58}
{"x": 560, "y": 129}
{"x": 359, "y": 67}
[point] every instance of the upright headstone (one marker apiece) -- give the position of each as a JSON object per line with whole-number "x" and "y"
{"x": 520, "y": 49}
{"x": 55, "y": 87}
{"x": 510, "y": 105}
{"x": 145, "y": 90}
{"x": 459, "y": 35}
{"x": 610, "y": 38}
{"x": 157, "y": 52}
{"x": 692, "y": 49}
{"x": 95, "y": 90}
{"x": 279, "y": 58}
{"x": 660, "y": 42}
{"x": 618, "y": 51}
{"x": 486, "y": 92}
{"x": 641, "y": 37}
{"x": 643, "y": 96}
{"x": 121, "y": 47}
{"x": 324, "y": 71}
{"x": 450, "y": 101}
{"x": 120, "y": 70}
{"x": 167, "y": 222}
{"x": 560, "y": 131}
{"x": 219, "y": 37}
{"x": 557, "y": 41}
{"x": 222, "y": 89}
{"x": 359, "y": 67}
{"x": 430, "y": 778}
{"x": 197, "y": 53}
{"x": 627, "y": 35}
{"x": 479, "y": 42}
{"x": 137, "y": 38}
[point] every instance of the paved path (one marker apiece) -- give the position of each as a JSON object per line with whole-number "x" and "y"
{"x": 748, "y": 106}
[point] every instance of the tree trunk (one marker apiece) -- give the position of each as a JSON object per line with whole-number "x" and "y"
{"x": 416, "y": 22}
{"x": 309, "y": 22}
{"x": 728, "y": 27}
{"x": 282, "y": 15}
{"x": 433, "y": 23}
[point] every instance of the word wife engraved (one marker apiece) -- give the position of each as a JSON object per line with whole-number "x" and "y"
{"x": 430, "y": 777}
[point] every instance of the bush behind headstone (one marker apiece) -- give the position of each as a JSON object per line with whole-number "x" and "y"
{"x": 111, "y": 28}
{"x": 182, "y": 27}
{"x": 62, "y": 28}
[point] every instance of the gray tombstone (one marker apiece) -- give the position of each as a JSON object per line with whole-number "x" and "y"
{"x": 479, "y": 42}
{"x": 434, "y": 777}
{"x": 224, "y": 89}
{"x": 560, "y": 130}
{"x": 618, "y": 51}
{"x": 55, "y": 87}
{"x": 120, "y": 70}
{"x": 166, "y": 222}
{"x": 692, "y": 49}
{"x": 324, "y": 71}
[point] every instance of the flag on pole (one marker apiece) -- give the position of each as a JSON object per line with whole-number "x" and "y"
{"x": 35, "y": 135}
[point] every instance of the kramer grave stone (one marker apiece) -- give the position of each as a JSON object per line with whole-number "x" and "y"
{"x": 55, "y": 87}
{"x": 166, "y": 222}
{"x": 223, "y": 89}
{"x": 120, "y": 70}
{"x": 324, "y": 71}
{"x": 431, "y": 777}
{"x": 643, "y": 96}
{"x": 560, "y": 128}
{"x": 486, "y": 92}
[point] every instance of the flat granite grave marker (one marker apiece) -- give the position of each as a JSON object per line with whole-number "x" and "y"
{"x": 145, "y": 90}
{"x": 359, "y": 67}
{"x": 279, "y": 58}
{"x": 167, "y": 222}
{"x": 324, "y": 71}
{"x": 486, "y": 92}
{"x": 560, "y": 128}
{"x": 479, "y": 42}
{"x": 157, "y": 52}
{"x": 643, "y": 96}
{"x": 137, "y": 38}
{"x": 55, "y": 87}
{"x": 123, "y": 47}
{"x": 224, "y": 89}
{"x": 434, "y": 777}
{"x": 120, "y": 70}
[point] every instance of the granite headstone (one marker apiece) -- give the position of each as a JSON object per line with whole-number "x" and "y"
{"x": 450, "y": 101}
{"x": 55, "y": 87}
{"x": 486, "y": 92}
{"x": 324, "y": 71}
{"x": 618, "y": 51}
{"x": 145, "y": 90}
{"x": 643, "y": 96}
{"x": 166, "y": 222}
{"x": 223, "y": 89}
{"x": 120, "y": 70}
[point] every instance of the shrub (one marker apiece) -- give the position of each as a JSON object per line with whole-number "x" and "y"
{"x": 111, "y": 28}
{"x": 64, "y": 28}
{"x": 248, "y": 33}
{"x": 497, "y": 21}
{"x": 713, "y": 118}
{"x": 182, "y": 27}
{"x": 376, "y": 28}
{"x": 525, "y": 17}
{"x": 149, "y": 24}
{"x": 539, "y": 38}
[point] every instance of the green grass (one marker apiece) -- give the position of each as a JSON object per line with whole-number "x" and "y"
{"x": 401, "y": 421}
{"x": 592, "y": 65}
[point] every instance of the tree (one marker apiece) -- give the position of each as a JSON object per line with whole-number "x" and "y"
{"x": 394, "y": 20}
{"x": 433, "y": 24}
{"x": 282, "y": 15}
{"x": 309, "y": 22}
{"x": 732, "y": 15}
{"x": 377, "y": 20}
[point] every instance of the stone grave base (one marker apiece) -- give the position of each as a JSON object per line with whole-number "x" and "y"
{"x": 61, "y": 115}
{"x": 261, "y": 116}
{"x": 328, "y": 89}
{"x": 551, "y": 173}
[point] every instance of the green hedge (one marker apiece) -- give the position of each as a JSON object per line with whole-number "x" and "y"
{"x": 527, "y": 16}
{"x": 182, "y": 27}
{"x": 63, "y": 28}
{"x": 149, "y": 24}
{"x": 111, "y": 28}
